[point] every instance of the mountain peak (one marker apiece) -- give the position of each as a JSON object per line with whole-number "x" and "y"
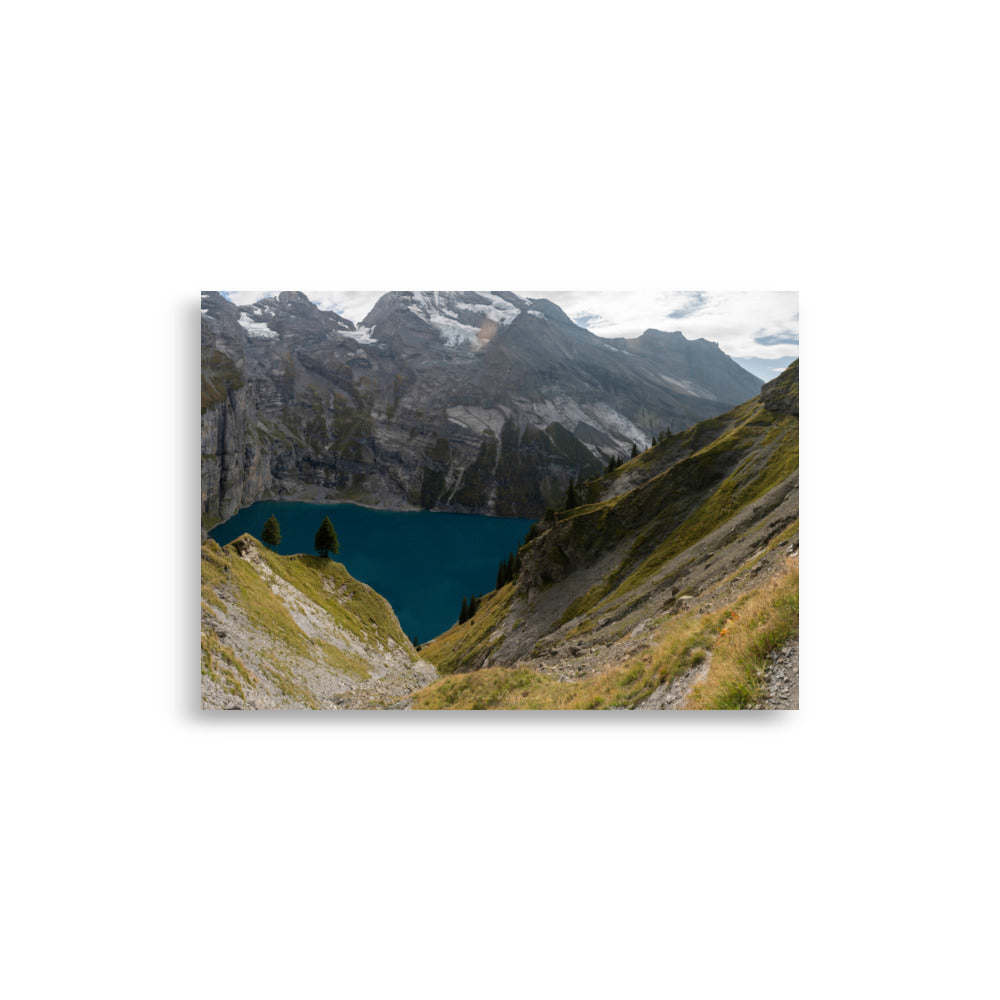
{"x": 460, "y": 319}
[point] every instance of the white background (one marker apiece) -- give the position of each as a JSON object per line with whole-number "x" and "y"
{"x": 848, "y": 152}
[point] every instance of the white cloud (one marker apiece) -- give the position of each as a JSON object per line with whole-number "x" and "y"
{"x": 247, "y": 298}
{"x": 351, "y": 305}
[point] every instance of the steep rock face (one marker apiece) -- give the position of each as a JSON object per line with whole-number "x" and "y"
{"x": 464, "y": 401}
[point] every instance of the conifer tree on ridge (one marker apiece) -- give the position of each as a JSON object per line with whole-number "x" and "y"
{"x": 325, "y": 541}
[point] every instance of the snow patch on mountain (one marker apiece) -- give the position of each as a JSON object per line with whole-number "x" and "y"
{"x": 454, "y": 332}
{"x": 254, "y": 321}
{"x": 499, "y": 310}
{"x": 448, "y": 313}
{"x": 362, "y": 334}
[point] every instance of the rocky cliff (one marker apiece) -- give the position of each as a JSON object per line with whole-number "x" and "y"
{"x": 463, "y": 401}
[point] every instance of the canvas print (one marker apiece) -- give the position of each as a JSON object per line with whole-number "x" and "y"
{"x": 499, "y": 500}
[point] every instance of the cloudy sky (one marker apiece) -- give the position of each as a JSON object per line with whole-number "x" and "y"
{"x": 759, "y": 329}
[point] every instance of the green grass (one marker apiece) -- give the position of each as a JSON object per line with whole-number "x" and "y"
{"x": 214, "y": 573}
{"x": 353, "y": 605}
{"x": 692, "y": 498}
{"x": 268, "y": 613}
{"x": 465, "y": 646}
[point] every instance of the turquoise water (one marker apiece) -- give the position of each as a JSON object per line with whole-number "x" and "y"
{"x": 422, "y": 563}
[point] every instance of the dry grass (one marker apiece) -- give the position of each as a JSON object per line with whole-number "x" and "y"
{"x": 763, "y": 622}
{"x": 739, "y": 639}
{"x": 683, "y": 645}
{"x": 222, "y": 665}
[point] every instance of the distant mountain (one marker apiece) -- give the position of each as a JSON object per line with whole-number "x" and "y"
{"x": 464, "y": 401}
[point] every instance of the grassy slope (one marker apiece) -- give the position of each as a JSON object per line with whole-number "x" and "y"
{"x": 738, "y": 638}
{"x": 681, "y": 490}
{"x": 463, "y": 645}
{"x": 752, "y": 452}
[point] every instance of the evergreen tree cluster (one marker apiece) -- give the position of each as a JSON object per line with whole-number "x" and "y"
{"x": 469, "y": 608}
{"x": 508, "y": 569}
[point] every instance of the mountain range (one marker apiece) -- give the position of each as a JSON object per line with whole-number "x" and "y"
{"x": 482, "y": 402}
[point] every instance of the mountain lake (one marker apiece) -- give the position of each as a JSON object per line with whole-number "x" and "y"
{"x": 422, "y": 562}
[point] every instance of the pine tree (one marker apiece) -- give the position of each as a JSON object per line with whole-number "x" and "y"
{"x": 326, "y": 539}
{"x": 635, "y": 449}
{"x": 463, "y": 615}
{"x": 271, "y": 535}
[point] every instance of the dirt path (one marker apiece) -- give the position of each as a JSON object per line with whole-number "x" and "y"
{"x": 675, "y": 694}
{"x": 781, "y": 683}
